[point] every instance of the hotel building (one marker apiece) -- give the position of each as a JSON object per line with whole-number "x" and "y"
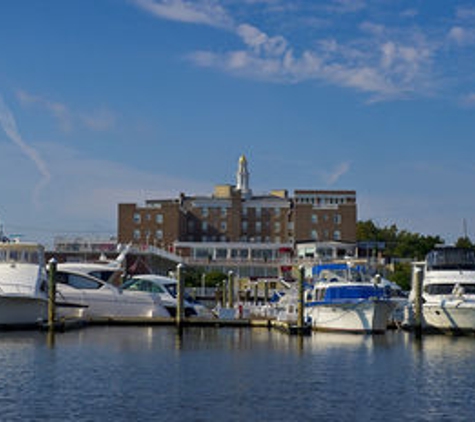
{"x": 234, "y": 223}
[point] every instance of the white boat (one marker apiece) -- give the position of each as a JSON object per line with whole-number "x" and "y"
{"x": 165, "y": 288}
{"x": 81, "y": 295}
{"x": 343, "y": 300}
{"x": 110, "y": 271}
{"x": 448, "y": 291}
{"x": 23, "y": 284}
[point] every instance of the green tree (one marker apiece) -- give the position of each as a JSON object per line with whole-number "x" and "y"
{"x": 398, "y": 243}
{"x": 464, "y": 242}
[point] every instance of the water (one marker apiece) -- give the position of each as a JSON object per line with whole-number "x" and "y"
{"x": 233, "y": 374}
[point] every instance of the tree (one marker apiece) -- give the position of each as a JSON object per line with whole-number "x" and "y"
{"x": 398, "y": 243}
{"x": 464, "y": 242}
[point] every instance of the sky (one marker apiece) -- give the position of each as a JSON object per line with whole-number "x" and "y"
{"x": 112, "y": 101}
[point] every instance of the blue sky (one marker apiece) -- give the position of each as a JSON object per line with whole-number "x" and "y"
{"x": 109, "y": 101}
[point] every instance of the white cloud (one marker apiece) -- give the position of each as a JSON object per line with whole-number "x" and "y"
{"x": 83, "y": 194}
{"x": 346, "y": 6}
{"x": 98, "y": 120}
{"x": 58, "y": 110}
{"x": 384, "y": 62}
{"x": 335, "y": 175}
{"x": 8, "y": 123}
{"x": 207, "y": 12}
{"x": 468, "y": 100}
{"x": 461, "y": 36}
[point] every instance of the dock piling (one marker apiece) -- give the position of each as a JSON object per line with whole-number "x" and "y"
{"x": 52, "y": 293}
{"x": 180, "y": 308}
{"x": 230, "y": 289}
{"x": 418, "y": 311}
{"x": 300, "y": 309}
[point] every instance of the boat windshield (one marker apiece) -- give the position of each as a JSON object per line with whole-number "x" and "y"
{"x": 449, "y": 288}
{"x": 18, "y": 255}
{"x": 451, "y": 259}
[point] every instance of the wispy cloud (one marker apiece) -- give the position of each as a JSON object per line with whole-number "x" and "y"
{"x": 58, "y": 110}
{"x": 199, "y": 12}
{"x": 461, "y": 35}
{"x": 8, "y": 123}
{"x": 332, "y": 177}
{"x": 97, "y": 120}
{"x": 385, "y": 62}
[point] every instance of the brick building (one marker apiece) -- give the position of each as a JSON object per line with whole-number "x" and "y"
{"x": 235, "y": 214}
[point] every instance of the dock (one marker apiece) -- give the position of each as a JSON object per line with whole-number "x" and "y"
{"x": 290, "y": 328}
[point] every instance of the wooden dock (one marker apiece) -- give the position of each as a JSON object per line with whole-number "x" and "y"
{"x": 286, "y": 327}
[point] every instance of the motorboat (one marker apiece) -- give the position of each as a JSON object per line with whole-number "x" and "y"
{"x": 23, "y": 284}
{"x": 82, "y": 295}
{"x": 448, "y": 291}
{"x": 110, "y": 271}
{"x": 344, "y": 299}
{"x": 152, "y": 285}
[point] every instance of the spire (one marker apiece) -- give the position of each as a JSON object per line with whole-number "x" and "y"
{"x": 242, "y": 177}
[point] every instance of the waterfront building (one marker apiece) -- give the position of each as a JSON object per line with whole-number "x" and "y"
{"x": 234, "y": 221}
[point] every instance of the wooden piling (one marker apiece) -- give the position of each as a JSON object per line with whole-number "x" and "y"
{"x": 230, "y": 289}
{"x": 417, "y": 275}
{"x": 180, "y": 306}
{"x": 300, "y": 309}
{"x": 52, "y": 293}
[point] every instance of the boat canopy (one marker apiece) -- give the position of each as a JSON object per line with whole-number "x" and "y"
{"x": 338, "y": 271}
{"x": 352, "y": 292}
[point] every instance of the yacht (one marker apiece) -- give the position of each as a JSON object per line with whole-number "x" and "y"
{"x": 344, "y": 299}
{"x": 448, "y": 291}
{"x": 82, "y": 295}
{"x": 165, "y": 288}
{"x": 23, "y": 284}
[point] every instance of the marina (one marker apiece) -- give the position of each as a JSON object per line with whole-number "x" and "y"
{"x": 234, "y": 374}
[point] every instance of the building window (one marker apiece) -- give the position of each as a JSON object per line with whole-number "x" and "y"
{"x": 224, "y": 226}
{"x": 148, "y": 217}
{"x": 136, "y": 234}
{"x": 314, "y": 235}
{"x": 258, "y": 212}
{"x": 159, "y": 234}
{"x": 224, "y": 212}
{"x": 204, "y": 226}
{"x": 191, "y": 225}
{"x": 159, "y": 218}
{"x": 314, "y": 218}
{"x": 337, "y": 235}
{"x": 137, "y": 218}
{"x": 325, "y": 217}
{"x": 244, "y": 226}
{"x": 277, "y": 212}
{"x": 277, "y": 227}
{"x": 244, "y": 212}
{"x": 204, "y": 212}
{"x": 258, "y": 226}
{"x": 337, "y": 219}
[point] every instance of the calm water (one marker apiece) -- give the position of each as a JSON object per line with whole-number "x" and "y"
{"x": 228, "y": 374}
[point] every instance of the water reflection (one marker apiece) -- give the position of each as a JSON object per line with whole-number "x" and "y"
{"x": 137, "y": 373}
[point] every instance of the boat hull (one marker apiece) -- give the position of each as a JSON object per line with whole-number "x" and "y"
{"x": 447, "y": 316}
{"x": 74, "y": 303}
{"x": 367, "y": 316}
{"x": 22, "y": 312}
